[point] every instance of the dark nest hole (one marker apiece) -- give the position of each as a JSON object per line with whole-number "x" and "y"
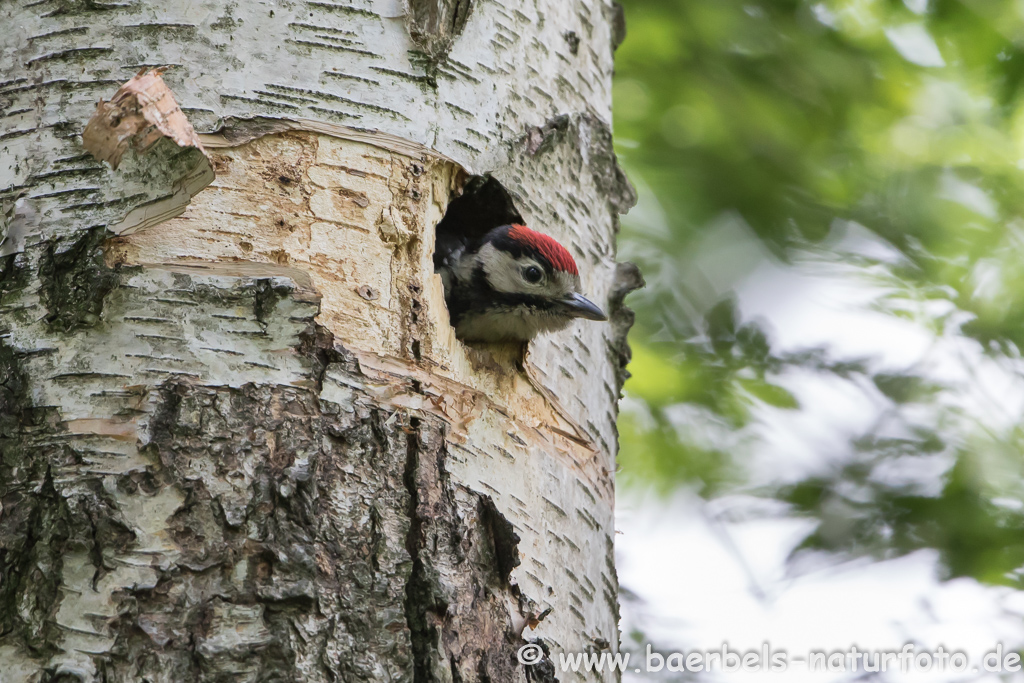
{"x": 483, "y": 205}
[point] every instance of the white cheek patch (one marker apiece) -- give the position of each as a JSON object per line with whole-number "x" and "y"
{"x": 502, "y": 270}
{"x": 505, "y": 274}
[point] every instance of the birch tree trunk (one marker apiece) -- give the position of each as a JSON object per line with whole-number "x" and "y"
{"x": 238, "y": 439}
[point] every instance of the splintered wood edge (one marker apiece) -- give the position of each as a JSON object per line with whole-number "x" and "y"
{"x": 240, "y": 131}
{"x": 165, "y": 208}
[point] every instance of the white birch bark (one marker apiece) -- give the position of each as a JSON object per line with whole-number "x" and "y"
{"x": 238, "y": 439}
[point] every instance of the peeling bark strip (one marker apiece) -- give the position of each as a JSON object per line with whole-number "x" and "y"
{"x": 238, "y": 440}
{"x": 141, "y": 113}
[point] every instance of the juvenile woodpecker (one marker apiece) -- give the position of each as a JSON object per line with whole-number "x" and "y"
{"x": 510, "y": 284}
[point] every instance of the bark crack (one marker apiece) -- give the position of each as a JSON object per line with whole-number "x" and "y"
{"x": 417, "y": 589}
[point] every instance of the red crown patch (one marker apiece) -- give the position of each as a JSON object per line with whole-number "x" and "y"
{"x": 548, "y": 247}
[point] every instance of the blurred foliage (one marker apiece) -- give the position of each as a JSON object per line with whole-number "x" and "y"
{"x": 792, "y": 119}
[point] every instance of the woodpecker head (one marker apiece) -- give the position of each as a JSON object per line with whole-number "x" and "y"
{"x": 512, "y": 285}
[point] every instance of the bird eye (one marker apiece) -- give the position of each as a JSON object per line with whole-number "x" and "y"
{"x": 532, "y": 274}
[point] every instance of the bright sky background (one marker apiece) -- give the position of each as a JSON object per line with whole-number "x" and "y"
{"x": 697, "y": 592}
{"x": 713, "y": 573}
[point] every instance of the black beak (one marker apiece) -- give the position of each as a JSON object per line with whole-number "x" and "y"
{"x": 578, "y": 306}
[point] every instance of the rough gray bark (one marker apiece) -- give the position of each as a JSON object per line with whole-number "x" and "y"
{"x": 238, "y": 440}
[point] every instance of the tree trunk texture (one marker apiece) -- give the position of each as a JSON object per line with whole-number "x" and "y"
{"x": 238, "y": 439}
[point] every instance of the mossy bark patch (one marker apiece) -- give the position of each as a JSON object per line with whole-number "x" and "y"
{"x": 34, "y": 533}
{"x": 12, "y": 390}
{"x": 75, "y": 280}
{"x": 15, "y": 275}
{"x": 435, "y": 24}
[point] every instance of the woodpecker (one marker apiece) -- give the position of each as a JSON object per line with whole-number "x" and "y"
{"x": 509, "y": 285}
